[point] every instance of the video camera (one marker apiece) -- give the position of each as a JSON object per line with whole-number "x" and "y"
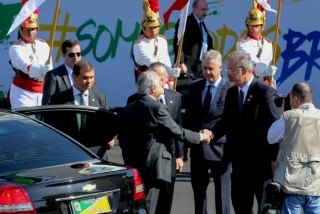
{"x": 278, "y": 101}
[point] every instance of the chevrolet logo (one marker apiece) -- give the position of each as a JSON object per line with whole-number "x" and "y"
{"x": 89, "y": 187}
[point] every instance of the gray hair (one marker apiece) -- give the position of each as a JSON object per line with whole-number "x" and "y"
{"x": 156, "y": 65}
{"x": 243, "y": 60}
{"x": 302, "y": 91}
{"x": 213, "y": 55}
{"x": 145, "y": 80}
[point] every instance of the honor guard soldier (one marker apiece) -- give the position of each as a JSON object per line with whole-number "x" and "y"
{"x": 28, "y": 57}
{"x": 151, "y": 46}
{"x": 257, "y": 46}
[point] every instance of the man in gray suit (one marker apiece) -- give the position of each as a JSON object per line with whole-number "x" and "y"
{"x": 204, "y": 109}
{"x": 152, "y": 125}
{"x": 172, "y": 99}
{"x": 81, "y": 93}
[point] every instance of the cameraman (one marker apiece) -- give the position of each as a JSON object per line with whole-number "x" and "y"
{"x": 298, "y": 163}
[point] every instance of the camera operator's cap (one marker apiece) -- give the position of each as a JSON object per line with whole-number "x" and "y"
{"x": 151, "y": 13}
{"x": 32, "y": 21}
{"x": 256, "y": 16}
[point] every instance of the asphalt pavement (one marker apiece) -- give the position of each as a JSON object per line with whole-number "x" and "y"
{"x": 183, "y": 194}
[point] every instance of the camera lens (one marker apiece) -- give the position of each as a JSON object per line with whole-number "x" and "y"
{"x": 278, "y": 100}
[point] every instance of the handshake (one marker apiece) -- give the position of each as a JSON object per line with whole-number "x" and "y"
{"x": 206, "y": 136}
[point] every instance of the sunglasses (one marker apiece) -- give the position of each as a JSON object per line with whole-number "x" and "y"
{"x": 71, "y": 55}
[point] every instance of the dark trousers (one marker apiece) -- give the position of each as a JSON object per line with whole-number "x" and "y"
{"x": 244, "y": 186}
{"x": 165, "y": 197}
{"x": 200, "y": 180}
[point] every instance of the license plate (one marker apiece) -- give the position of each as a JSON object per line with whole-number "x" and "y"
{"x": 91, "y": 205}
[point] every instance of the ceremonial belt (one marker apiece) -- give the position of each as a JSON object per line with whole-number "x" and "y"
{"x": 139, "y": 68}
{"x": 260, "y": 49}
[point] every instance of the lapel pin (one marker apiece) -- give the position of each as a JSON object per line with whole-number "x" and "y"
{"x": 92, "y": 100}
{"x": 170, "y": 101}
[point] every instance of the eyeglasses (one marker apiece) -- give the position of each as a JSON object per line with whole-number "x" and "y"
{"x": 71, "y": 55}
{"x": 232, "y": 69}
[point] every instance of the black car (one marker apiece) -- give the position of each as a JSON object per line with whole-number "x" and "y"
{"x": 43, "y": 170}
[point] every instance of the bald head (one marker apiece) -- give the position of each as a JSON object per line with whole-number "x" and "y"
{"x": 300, "y": 93}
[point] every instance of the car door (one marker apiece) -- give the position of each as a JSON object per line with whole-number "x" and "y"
{"x": 91, "y": 126}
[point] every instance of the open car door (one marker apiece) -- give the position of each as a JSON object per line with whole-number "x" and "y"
{"x": 91, "y": 126}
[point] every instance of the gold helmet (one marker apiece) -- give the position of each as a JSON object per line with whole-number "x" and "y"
{"x": 256, "y": 16}
{"x": 151, "y": 13}
{"x": 32, "y": 21}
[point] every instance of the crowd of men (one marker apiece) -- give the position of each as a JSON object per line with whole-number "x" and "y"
{"x": 231, "y": 125}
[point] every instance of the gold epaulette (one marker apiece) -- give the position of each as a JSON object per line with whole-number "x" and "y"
{"x": 242, "y": 39}
{"x": 16, "y": 42}
{"x": 139, "y": 39}
{"x": 268, "y": 40}
{"x": 162, "y": 36}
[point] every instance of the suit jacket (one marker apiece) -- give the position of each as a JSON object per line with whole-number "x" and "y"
{"x": 57, "y": 80}
{"x": 151, "y": 123}
{"x": 192, "y": 44}
{"x": 173, "y": 103}
{"x": 96, "y": 98}
{"x": 246, "y": 132}
{"x": 196, "y": 120}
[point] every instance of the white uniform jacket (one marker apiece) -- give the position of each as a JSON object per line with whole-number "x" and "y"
{"x": 144, "y": 48}
{"x": 251, "y": 45}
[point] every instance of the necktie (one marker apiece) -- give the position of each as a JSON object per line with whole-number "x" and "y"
{"x": 83, "y": 116}
{"x": 207, "y": 99}
{"x": 240, "y": 100}
{"x": 82, "y": 100}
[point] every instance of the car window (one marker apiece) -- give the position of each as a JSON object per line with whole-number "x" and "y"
{"x": 26, "y": 144}
{"x": 91, "y": 129}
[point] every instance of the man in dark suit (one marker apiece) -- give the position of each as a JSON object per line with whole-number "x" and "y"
{"x": 60, "y": 78}
{"x": 81, "y": 93}
{"x": 196, "y": 41}
{"x": 172, "y": 100}
{"x": 248, "y": 113}
{"x": 148, "y": 149}
{"x": 199, "y": 116}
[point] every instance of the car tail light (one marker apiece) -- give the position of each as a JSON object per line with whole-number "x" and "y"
{"x": 139, "y": 192}
{"x": 14, "y": 199}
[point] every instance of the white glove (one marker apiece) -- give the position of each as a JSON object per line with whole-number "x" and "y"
{"x": 37, "y": 71}
{"x": 49, "y": 67}
{"x": 271, "y": 70}
{"x": 174, "y": 72}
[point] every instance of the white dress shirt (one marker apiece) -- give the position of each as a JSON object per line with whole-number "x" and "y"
{"x": 69, "y": 70}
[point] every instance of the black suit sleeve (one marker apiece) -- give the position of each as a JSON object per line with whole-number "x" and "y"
{"x": 167, "y": 124}
{"x": 48, "y": 88}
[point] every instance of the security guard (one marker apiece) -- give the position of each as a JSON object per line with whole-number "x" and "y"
{"x": 28, "y": 57}
{"x": 151, "y": 46}
{"x": 258, "y": 46}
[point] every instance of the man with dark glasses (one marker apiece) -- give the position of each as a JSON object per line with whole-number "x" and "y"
{"x": 60, "y": 78}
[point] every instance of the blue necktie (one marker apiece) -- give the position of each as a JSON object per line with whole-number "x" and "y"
{"x": 207, "y": 99}
{"x": 240, "y": 100}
